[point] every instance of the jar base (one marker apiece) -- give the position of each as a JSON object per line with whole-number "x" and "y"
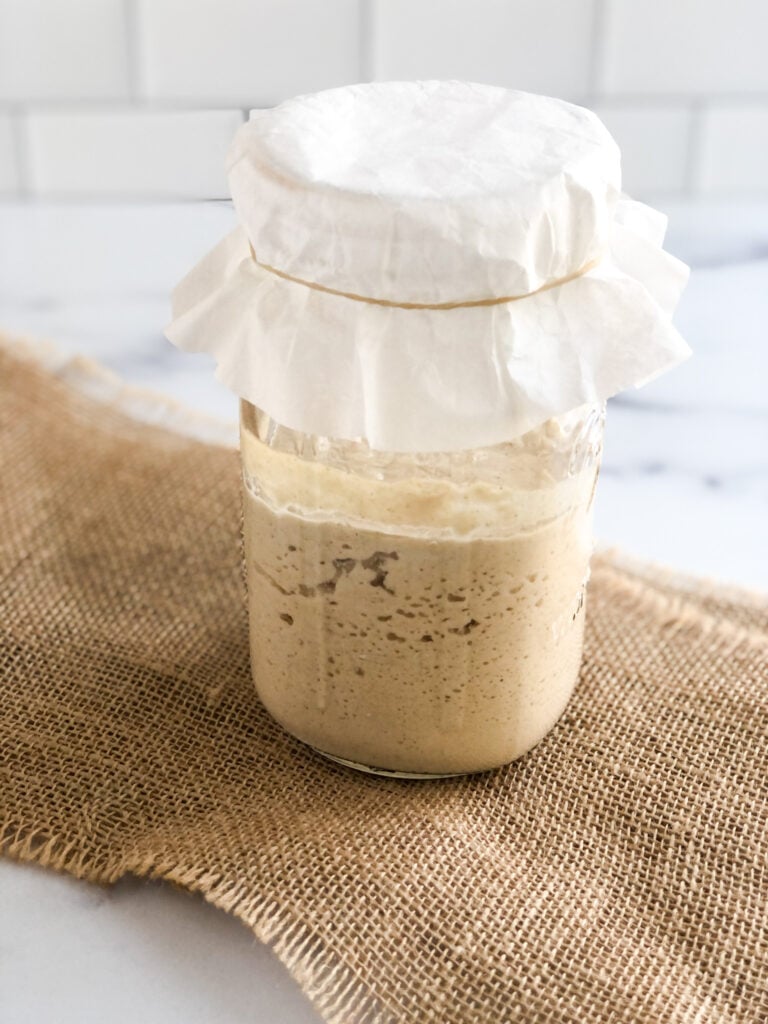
{"x": 388, "y": 773}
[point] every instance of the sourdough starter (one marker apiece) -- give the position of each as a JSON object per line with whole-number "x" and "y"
{"x": 414, "y": 625}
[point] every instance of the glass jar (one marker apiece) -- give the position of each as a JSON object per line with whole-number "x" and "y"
{"x": 426, "y": 267}
{"x": 418, "y": 615}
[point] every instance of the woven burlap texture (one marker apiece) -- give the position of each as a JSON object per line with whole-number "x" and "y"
{"x": 617, "y": 873}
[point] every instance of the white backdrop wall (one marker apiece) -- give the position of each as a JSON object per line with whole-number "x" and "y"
{"x": 139, "y": 98}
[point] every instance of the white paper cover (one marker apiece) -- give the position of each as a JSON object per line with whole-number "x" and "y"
{"x": 430, "y": 193}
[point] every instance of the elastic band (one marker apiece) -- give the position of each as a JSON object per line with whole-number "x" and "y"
{"x": 426, "y": 305}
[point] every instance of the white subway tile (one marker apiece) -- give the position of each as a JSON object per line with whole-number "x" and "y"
{"x": 73, "y": 250}
{"x": 247, "y": 52}
{"x": 63, "y": 49}
{"x": 131, "y": 153}
{"x": 734, "y": 149}
{"x": 536, "y": 45}
{"x": 654, "y": 144}
{"x": 9, "y": 167}
{"x": 684, "y": 46}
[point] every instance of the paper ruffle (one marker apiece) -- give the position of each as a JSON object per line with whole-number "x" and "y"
{"x": 435, "y": 380}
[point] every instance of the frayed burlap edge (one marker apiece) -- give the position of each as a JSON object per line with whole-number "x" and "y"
{"x": 96, "y": 381}
{"x": 330, "y": 986}
{"x": 338, "y": 995}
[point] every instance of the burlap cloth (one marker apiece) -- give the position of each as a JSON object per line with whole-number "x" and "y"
{"x": 617, "y": 873}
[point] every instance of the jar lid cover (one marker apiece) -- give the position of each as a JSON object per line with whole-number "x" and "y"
{"x": 430, "y": 265}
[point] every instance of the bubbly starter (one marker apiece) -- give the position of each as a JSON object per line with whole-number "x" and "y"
{"x": 415, "y": 625}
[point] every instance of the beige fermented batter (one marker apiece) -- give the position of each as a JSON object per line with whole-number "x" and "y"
{"x": 414, "y": 625}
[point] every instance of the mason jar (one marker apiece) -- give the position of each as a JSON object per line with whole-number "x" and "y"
{"x": 412, "y": 614}
{"x": 431, "y": 291}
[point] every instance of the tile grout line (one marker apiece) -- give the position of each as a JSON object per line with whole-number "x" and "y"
{"x": 365, "y": 40}
{"x": 131, "y": 17}
{"x": 757, "y": 97}
{"x": 694, "y": 149}
{"x": 597, "y": 49}
{"x": 100, "y": 105}
{"x": 757, "y": 100}
{"x": 20, "y": 135}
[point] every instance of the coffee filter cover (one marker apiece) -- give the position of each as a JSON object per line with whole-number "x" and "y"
{"x": 430, "y": 266}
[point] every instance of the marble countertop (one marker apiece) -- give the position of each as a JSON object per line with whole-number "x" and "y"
{"x": 684, "y": 482}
